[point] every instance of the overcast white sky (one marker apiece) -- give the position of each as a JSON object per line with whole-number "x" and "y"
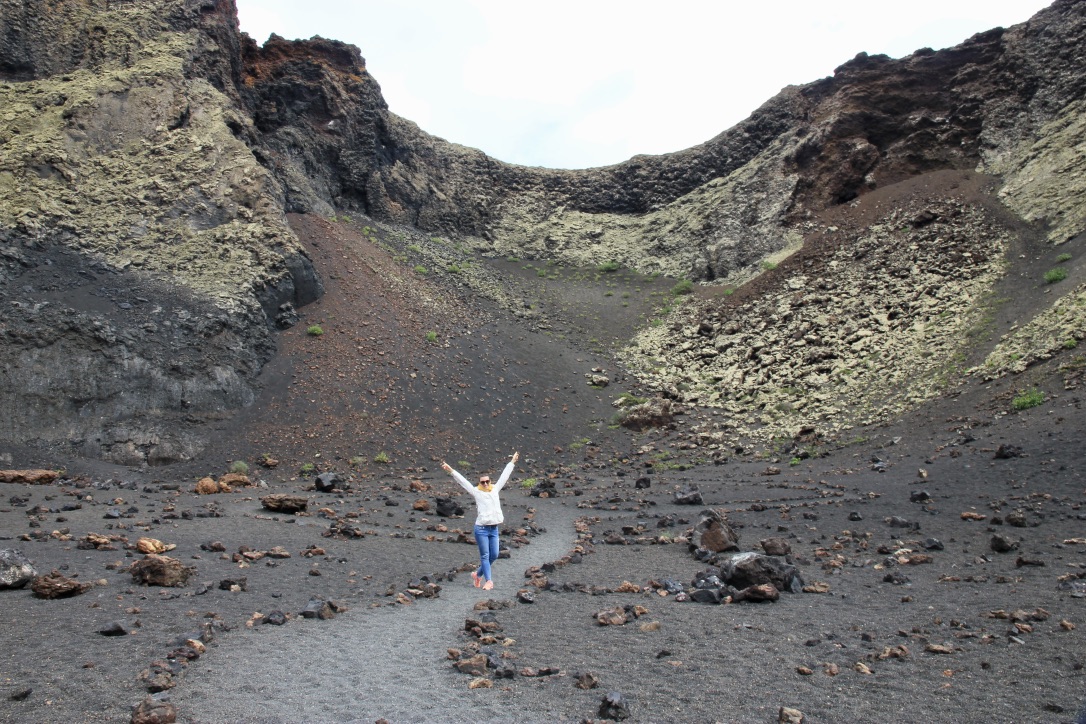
{"x": 581, "y": 83}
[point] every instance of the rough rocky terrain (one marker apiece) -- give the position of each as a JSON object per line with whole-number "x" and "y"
{"x": 246, "y": 311}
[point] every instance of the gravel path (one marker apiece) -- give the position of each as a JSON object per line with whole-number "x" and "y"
{"x": 388, "y": 662}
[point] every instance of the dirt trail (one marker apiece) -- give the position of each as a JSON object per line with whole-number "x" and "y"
{"x": 388, "y": 662}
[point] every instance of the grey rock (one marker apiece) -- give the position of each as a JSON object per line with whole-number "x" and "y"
{"x": 15, "y": 569}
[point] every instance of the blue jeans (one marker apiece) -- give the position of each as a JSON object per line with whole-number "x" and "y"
{"x": 486, "y": 537}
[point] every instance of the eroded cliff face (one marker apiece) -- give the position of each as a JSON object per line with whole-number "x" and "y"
{"x": 122, "y": 174}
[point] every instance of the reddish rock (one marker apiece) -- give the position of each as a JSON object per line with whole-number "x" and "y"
{"x": 29, "y": 477}
{"x": 57, "y": 585}
{"x": 207, "y": 486}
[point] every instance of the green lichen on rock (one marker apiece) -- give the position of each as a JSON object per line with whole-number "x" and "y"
{"x": 848, "y": 341}
{"x": 720, "y": 228}
{"x": 1046, "y": 180}
{"x": 137, "y": 164}
{"x": 1040, "y": 339}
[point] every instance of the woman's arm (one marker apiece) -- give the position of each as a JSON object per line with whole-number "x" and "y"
{"x": 504, "y": 478}
{"x": 457, "y": 477}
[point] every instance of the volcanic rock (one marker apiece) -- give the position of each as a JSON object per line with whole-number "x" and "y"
{"x": 614, "y": 706}
{"x": 475, "y": 666}
{"x": 318, "y": 608}
{"x": 113, "y": 629}
{"x": 56, "y": 585}
{"x": 448, "y": 508}
{"x": 285, "y": 503}
{"x": 758, "y": 594}
{"x": 776, "y": 546}
{"x": 688, "y": 495}
{"x": 15, "y": 569}
{"x": 586, "y": 680}
{"x": 1002, "y": 544}
{"x": 328, "y": 482}
{"x": 29, "y": 477}
{"x": 154, "y": 711}
{"x": 156, "y": 570}
{"x": 713, "y": 533}
{"x": 753, "y": 569}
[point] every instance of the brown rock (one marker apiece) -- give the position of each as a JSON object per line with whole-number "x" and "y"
{"x": 57, "y": 585}
{"x": 29, "y": 477}
{"x": 475, "y": 666}
{"x": 763, "y": 592}
{"x": 628, "y": 587}
{"x": 156, "y": 570}
{"x": 236, "y": 480}
{"x": 587, "y": 680}
{"x": 285, "y": 503}
{"x": 776, "y": 547}
{"x": 713, "y": 533}
{"x": 207, "y": 486}
{"x": 481, "y": 683}
{"x": 804, "y": 670}
{"x": 269, "y": 462}
{"x": 611, "y": 617}
{"x": 939, "y": 649}
{"x": 421, "y": 505}
{"x": 152, "y": 711}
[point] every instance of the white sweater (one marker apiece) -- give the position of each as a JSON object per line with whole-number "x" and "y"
{"x": 490, "y": 508}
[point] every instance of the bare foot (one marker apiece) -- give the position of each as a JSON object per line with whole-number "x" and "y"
{"x": 476, "y": 579}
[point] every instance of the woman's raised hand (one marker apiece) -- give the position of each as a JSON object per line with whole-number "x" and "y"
{"x": 446, "y": 467}
{"x": 516, "y": 456}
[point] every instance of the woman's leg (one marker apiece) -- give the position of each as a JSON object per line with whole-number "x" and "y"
{"x": 482, "y": 539}
{"x": 493, "y": 540}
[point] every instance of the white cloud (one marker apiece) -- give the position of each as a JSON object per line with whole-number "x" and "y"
{"x": 576, "y": 84}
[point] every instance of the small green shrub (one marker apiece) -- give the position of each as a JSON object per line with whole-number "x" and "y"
{"x": 513, "y": 259}
{"x": 529, "y": 483}
{"x": 414, "y": 247}
{"x": 1070, "y": 343}
{"x": 1028, "y": 399}
{"x": 431, "y": 336}
{"x": 382, "y": 457}
{"x": 609, "y": 266}
{"x": 541, "y": 273}
{"x": 307, "y": 469}
{"x": 794, "y": 462}
{"x": 463, "y": 464}
{"x": 357, "y": 460}
{"x": 420, "y": 269}
{"x": 314, "y": 330}
{"x": 1055, "y": 275}
{"x": 240, "y": 467}
{"x": 454, "y": 268}
{"x": 1062, "y": 258}
{"x": 684, "y": 287}
{"x": 768, "y": 265}
{"x": 608, "y": 293}
{"x": 627, "y": 399}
